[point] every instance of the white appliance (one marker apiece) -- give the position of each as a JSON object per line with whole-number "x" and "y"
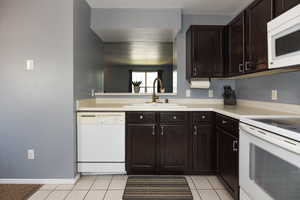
{"x": 269, "y": 164}
{"x": 101, "y": 142}
{"x": 284, "y": 39}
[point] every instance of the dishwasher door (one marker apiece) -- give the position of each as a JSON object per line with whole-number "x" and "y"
{"x": 101, "y": 142}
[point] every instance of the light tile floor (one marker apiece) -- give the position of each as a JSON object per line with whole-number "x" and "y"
{"x": 111, "y": 187}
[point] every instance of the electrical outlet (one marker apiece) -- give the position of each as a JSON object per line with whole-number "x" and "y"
{"x": 210, "y": 93}
{"x": 30, "y": 154}
{"x": 274, "y": 95}
{"x": 188, "y": 93}
{"x": 29, "y": 65}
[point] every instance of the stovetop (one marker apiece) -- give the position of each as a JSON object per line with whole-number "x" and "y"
{"x": 291, "y": 124}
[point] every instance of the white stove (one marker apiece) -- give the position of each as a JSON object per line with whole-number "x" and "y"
{"x": 270, "y": 158}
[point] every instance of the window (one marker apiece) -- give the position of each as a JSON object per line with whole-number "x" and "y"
{"x": 147, "y": 79}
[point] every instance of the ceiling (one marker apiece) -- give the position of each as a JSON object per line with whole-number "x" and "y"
{"x": 194, "y": 7}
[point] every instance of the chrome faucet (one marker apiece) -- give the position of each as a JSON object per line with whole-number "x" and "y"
{"x": 154, "y": 96}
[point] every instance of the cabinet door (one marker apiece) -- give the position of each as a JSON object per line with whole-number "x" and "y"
{"x": 209, "y": 53}
{"x": 228, "y": 160}
{"x": 173, "y": 147}
{"x": 236, "y": 45}
{"x": 205, "y": 51}
{"x": 204, "y": 148}
{"x": 258, "y": 14}
{"x": 283, "y": 5}
{"x": 141, "y": 147}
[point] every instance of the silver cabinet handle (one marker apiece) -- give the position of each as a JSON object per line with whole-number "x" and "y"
{"x": 248, "y": 65}
{"x": 153, "y": 130}
{"x": 241, "y": 68}
{"x": 234, "y": 148}
{"x": 162, "y": 131}
{"x": 194, "y": 71}
{"x": 141, "y": 117}
{"x": 203, "y": 116}
{"x": 174, "y": 117}
{"x": 224, "y": 122}
{"x": 195, "y": 130}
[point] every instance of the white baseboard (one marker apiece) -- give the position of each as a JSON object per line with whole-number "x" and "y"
{"x": 41, "y": 181}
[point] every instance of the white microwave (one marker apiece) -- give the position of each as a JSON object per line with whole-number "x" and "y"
{"x": 284, "y": 39}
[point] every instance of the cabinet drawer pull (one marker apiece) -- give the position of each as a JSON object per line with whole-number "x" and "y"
{"x": 234, "y": 147}
{"x": 241, "y": 68}
{"x": 247, "y": 65}
{"x": 153, "y": 130}
{"x": 174, "y": 117}
{"x": 203, "y": 116}
{"x": 194, "y": 70}
{"x": 162, "y": 131}
{"x": 195, "y": 130}
{"x": 141, "y": 117}
{"x": 224, "y": 122}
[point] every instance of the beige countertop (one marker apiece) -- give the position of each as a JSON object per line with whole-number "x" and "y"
{"x": 236, "y": 112}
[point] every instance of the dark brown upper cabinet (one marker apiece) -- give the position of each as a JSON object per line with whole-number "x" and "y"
{"x": 258, "y": 14}
{"x": 204, "y": 47}
{"x": 236, "y": 40}
{"x": 280, "y": 6}
{"x": 248, "y": 42}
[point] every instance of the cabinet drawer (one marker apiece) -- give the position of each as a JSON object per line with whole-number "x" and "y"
{"x": 228, "y": 124}
{"x": 171, "y": 117}
{"x": 200, "y": 117}
{"x": 140, "y": 117}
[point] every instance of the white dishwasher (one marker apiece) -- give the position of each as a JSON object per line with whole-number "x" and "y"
{"x": 101, "y": 142}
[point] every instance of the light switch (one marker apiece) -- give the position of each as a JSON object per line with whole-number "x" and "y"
{"x": 29, "y": 65}
{"x": 210, "y": 93}
{"x": 274, "y": 95}
{"x": 30, "y": 154}
{"x": 188, "y": 93}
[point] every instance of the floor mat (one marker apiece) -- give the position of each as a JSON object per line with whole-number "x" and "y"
{"x": 157, "y": 188}
{"x": 17, "y": 192}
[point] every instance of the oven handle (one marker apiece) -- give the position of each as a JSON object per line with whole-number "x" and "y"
{"x": 282, "y": 142}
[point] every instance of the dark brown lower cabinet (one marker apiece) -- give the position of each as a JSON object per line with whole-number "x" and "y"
{"x": 173, "y": 148}
{"x": 228, "y": 154}
{"x": 141, "y": 147}
{"x": 204, "y": 149}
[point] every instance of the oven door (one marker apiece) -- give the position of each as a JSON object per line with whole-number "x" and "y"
{"x": 268, "y": 171}
{"x": 284, "y": 39}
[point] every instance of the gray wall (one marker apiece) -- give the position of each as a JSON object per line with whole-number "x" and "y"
{"x": 88, "y": 53}
{"x": 180, "y": 58}
{"x": 259, "y": 88}
{"x": 116, "y": 77}
{"x": 36, "y": 106}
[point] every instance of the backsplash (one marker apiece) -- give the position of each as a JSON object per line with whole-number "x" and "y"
{"x": 260, "y": 88}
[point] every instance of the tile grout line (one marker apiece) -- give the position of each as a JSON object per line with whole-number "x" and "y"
{"x": 48, "y": 194}
{"x": 107, "y": 187}
{"x": 195, "y": 187}
{"x": 90, "y": 188}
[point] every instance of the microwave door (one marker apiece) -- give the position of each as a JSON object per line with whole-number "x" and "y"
{"x": 284, "y": 41}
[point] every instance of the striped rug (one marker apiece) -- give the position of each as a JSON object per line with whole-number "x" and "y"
{"x": 157, "y": 188}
